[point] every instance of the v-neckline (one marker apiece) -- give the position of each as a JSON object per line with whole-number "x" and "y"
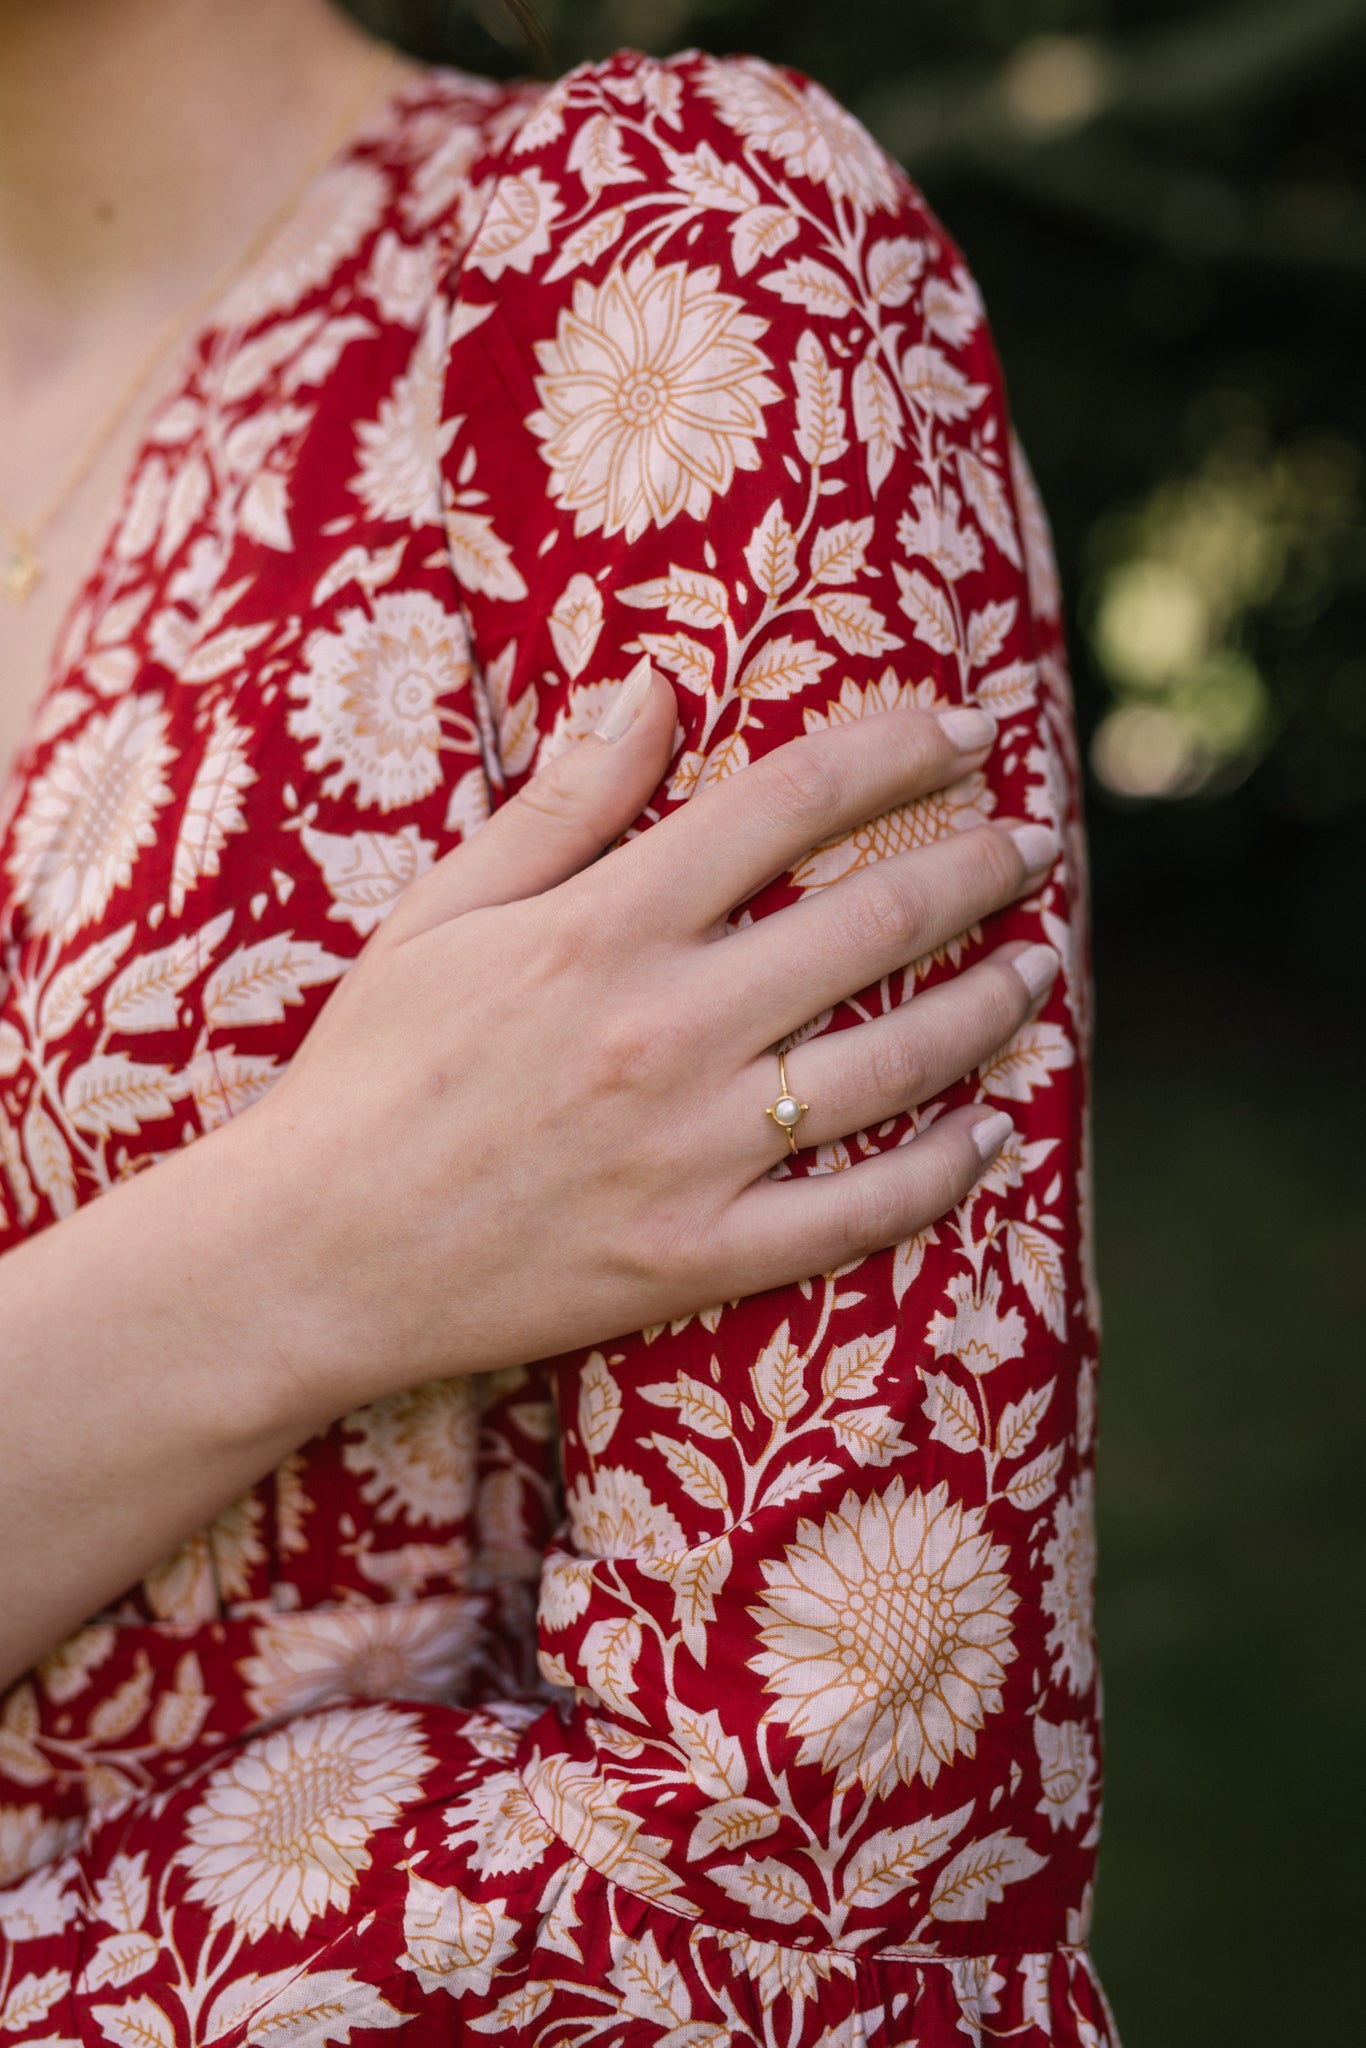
{"x": 188, "y": 362}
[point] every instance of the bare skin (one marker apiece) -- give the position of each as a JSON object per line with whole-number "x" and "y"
{"x": 165, "y": 1347}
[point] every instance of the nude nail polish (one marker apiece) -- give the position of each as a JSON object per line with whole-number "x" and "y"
{"x": 969, "y": 728}
{"x": 1038, "y": 846}
{"x": 991, "y": 1133}
{"x": 627, "y": 702}
{"x": 1037, "y": 968}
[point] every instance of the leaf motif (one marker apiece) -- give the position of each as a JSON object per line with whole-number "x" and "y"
{"x": 853, "y": 623}
{"x": 978, "y": 1875}
{"x": 851, "y": 1371}
{"x": 698, "y": 1475}
{"x": 142, "y": 996}
{"x": 366, "y": 872}
{"x": 952, "y": 1413}
{"x": 481, "y": 561}
{"x": 710, "y": 180}
{"x": 49, "y": 1156}
{"x": 822, "y": 427}
{"x": 840, "y": 553}
{"x": 886, "y": 1861}
{"x": 938, "y": 386}
{"x": 685, "y": 595}
{"x": 784, "y": 667}
{"x": 257, "y": 983}
{"x": 894, "y": 269}
{"x": 988, "y": 630}
{"x": 1023, "y": 1064}
{"x": 928, "y": 609}
{"x": 804, "y": 1475}
{"x": 325, "y": 2005}
{"x": 1033, "y": 1484}
{"x": 213, "y": 809}
{"x": 654, "y": 1989}
{"x": 598, "y": 155}
{"x": 778, "y": 1376}
{"x": 140, "y": 2023}
{"x": 877, "y": 420}
{"x": 65, "y": 995}
{"x": 1008, "y": 690}
{"x": 907, "y": 1260}
{"x": 516, "y": 2009}
{"x": 180, "y": 1713}
{"x": 31, "y": 2000}
{"x": 13, "y": 1051}
{"x": 697, "y": 1576}
{"x": 986, "y": 493}
{"x": 609, "y": 1653}
{"x": 772, "y": 553}
{"x": 1019, "y": 1421}
{"x": 699, "y": 1405}
{"x": 599, "y": 233}
{"x": 599, "y": 1405}
{"x": 762, "y": 232}
{"x": 872, "y": 1436}
{"x": 716, "y": 1759}
{"x": 805, "y": 282}
{"x": 120, "y": 1711}
{"x": 223, "y": 1082}
{"x": 576, "y": 624}
{"x": 731, "y": 1824}
{"x": 122, "y": 1895}
{"x": 117, "y": 1960}
{"x": 767, "y": 1888}
{"x": 1036, "y": 1264}
{"x": 686, "y": 659}
{"x": 221, "y": 653}
{"x": 519, "y": 732}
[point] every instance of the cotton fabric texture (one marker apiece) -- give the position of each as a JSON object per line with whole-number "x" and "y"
{"x": 802, "y": 1750}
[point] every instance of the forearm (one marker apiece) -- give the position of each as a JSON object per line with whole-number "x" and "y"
{"x": 149, "y": 1374}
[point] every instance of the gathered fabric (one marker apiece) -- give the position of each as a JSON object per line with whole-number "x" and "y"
{"x": 734, "y": 1681}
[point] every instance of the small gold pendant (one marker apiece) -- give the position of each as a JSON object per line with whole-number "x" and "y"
{"x": 22, "y": 573}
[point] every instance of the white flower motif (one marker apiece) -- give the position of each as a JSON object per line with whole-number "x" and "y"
{"x": 416, "y": 1650}
{"x": 65, "y": 1671}
{"x": 613, "y": 1515}
{"x": 515, "y": 230}
{"x": 1067, "y": 1767}
{"x": 402, "y": 278}
{"x": 90, "y": 813}
{"x": 402, "y": 451}
{"x": 417, "y": 1451}
{"x": 502, "y": 1828}
{"x": 810, "y": 133}
{"x": 652, "y": 397}
{"x": 1069, "y": 1590}
{"x": 887, "y": 1633}
{"x": 30, "y": 1839}
{"x": 282, "y": 1833}
{"x": 329, "y": 224}
{"x": 368, "y": 694}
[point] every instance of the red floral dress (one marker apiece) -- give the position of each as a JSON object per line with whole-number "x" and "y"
{"x": 801, "y": 1747}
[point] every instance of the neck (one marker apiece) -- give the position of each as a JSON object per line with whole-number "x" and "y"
{"x": 141, "y": 142}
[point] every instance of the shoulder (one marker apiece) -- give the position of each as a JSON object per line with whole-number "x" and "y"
{"x": 745, "y": 152}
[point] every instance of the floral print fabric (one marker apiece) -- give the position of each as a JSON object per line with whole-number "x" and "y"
{"x": 801, "y": 1749}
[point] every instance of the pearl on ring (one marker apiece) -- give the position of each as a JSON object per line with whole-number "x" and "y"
{"x": 786, "y": 1111}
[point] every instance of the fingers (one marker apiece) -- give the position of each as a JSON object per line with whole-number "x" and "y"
{"x": 786, "y": 969}
{"x": 737, "y": 835}
{"x": 855, "y": 1080}
{"x": 562, "y": 819}
{"x": 787, "y": 1230}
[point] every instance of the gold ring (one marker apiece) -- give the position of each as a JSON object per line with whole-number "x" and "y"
{"x": 787, "y": 1112}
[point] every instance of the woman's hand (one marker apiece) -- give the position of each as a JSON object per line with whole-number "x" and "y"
{"x": 532, "y": 1116}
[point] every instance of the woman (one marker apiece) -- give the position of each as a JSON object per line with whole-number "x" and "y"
{"x": 522, "y": 399}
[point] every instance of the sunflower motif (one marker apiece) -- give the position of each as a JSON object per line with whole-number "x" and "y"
{"x": 1069, "y": 1589}
{"x": 416, "y": 1451}
{"x": 89, "y": 815}
{"x": 652, "y": 394}
{"x": 368, "y": 694}
{"x": 409, "y": 1650}
{"x": 810, "y": 133}
{"x": 614, "y": 1515}
{"x": 282, "y": 1834}
{"x": 887, "y": 1635}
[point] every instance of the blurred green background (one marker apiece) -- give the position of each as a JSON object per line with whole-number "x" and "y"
{"x": 1165, "y": 204}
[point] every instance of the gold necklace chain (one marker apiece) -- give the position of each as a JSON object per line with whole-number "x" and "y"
{"x": 22, "y": 567}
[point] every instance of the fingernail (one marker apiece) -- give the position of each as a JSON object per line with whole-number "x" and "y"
{"x": 969, "y": 729}
{"x": 1038, "y": 847}
{"x": 627, "y": 702}
{"x": 1037, "y": 968}
{"x": 991, "y": 1133}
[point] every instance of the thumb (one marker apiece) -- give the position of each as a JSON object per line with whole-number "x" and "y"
{"x": 563, "y": 818}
